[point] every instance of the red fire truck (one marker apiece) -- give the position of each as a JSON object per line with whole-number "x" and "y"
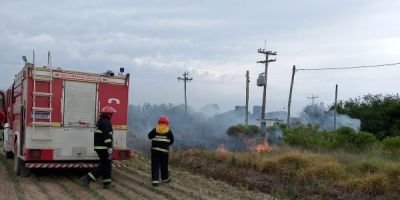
{"x": 51, "y": 115}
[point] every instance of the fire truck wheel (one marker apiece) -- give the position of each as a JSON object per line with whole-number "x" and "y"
{"x": 19, "y": 165}
{"x": 16, "y": 162}
{"x": 9, "y": 155}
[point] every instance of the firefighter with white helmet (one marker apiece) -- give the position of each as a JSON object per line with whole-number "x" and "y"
{"x": 103, "y": 145}
{"x": 162, "y": 138}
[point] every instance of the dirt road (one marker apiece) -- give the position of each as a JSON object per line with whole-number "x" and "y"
{"x": 132, "y": 182}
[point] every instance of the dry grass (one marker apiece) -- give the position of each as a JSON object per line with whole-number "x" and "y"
{"x": 327, "y": 174}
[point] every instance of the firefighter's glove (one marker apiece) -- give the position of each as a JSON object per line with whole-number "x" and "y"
{"x": 110, "y": 153}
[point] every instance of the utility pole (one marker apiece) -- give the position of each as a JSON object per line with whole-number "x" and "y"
{"x": 247, "y": 97}
{"x": 185, "y": 78}
{"x": 335, "y": 111}
{"x": 266, "y": 61}
{"x": 312, "y": 99}
{"x": 290, "y": 96}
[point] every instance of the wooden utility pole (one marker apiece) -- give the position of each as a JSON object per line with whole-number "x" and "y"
{"x": 290, "y": 96}
{"x": 312, "y": 99}
{"x": 266, "y": 61}
{"x": 185, "y": 78}
{"x": 247, "y": 98}
{"x": 335, "y": 111}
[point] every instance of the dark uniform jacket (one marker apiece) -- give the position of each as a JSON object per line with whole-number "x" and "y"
{"x": 159, "y": 141}
{"x": 103, "y": 135}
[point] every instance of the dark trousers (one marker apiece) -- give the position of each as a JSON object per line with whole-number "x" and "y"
{"x": 159, "y": 160}
{"x": 103, "y": 169}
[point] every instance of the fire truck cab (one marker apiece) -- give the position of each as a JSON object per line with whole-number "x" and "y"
{"x": 51, "y": 115}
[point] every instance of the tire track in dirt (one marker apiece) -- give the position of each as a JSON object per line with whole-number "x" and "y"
{"x": 185, "y": 181}
{"x": 137, "y": 186}
{"x": 106, "y": 193}
{"x": 32, "y": 189}
{"x": 211, "y": 188}
{"x": 80, "y": 191}
{"x": 53, "y": 189}
{"x": 132, "y": 193}
{"x": 7, "y": 190}
{"x": 173, "y": 186}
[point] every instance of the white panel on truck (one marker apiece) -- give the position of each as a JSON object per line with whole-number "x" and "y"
{"x": 80, "y": 100}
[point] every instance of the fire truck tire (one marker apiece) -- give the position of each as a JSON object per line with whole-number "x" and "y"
{"x": 9, "y": 155}
{"x": 23, "y": 171}
{"x": 19, "y": 165}
{"x": 16, "y": 162}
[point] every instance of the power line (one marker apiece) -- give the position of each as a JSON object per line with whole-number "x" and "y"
{"x": 353, "y": 67}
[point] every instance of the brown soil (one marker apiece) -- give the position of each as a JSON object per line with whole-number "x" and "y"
{"x": 132, "y": 182}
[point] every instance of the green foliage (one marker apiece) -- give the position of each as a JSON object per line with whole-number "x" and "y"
{"x": 309, "y": 137}
{"x": 379, "y": 114}
{"x": 249, "y": 130}
{"x": 392, "y": 144}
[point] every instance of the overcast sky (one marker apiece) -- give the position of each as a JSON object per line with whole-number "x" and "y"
{"x": 216, "y": 41}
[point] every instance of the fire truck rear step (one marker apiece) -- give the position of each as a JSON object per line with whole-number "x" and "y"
{"x": 53, "y": 165}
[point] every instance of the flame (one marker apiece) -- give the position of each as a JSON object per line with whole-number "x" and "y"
{"x": 221, "y": 152}
{"x": 264, "y": 147}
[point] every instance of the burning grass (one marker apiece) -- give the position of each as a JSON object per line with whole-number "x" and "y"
{"x": 299, "y": 173}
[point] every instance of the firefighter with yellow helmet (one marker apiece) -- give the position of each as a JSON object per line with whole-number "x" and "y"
{"x": 103, "y": 145}
{"x": 161, "y": 138}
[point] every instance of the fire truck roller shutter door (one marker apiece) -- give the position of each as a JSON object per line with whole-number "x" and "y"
{"x": 80, "y": 103}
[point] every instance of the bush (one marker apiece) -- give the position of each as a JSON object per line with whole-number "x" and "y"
{"x": 290, "y": 163}
{"x": 308, "y": 137}
{"x": 250, "y": 130}
{"x": 392, "y": 144}
{"x": 364, "y": 167}
{"x": 321, "y": 173}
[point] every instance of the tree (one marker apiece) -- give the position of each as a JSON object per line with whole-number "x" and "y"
{"x": 379, "y": 114}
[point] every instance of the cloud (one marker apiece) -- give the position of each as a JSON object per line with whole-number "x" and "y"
{"x": 216, "y": 41}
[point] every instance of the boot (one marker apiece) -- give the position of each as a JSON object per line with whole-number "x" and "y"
{"x": 85, "y": 181}
{"x": 168, "y": 180}
{"x": 108, "y": 186}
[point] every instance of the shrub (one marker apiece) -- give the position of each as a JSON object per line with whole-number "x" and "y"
{"x": 370, "y": 184}
{"x": 392, "y": 144}
{"x": 364, "y": 167}
{"x": 321, "y": 173}
{"x": 267, "y": 165}
{"x": 291, "y": 162}
{"x": 250, "y": 130}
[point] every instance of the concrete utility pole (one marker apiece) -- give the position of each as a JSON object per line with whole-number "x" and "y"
{"x": 312, "y": 99}
{"x": 290, "y": 97}
{"x": 266, "y": 61}
{"x": 185, "y": 79}
{"x": 247, "y": 97}
{"x": 335, "y": 111}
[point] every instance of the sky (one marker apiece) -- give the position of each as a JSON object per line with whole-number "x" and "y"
{"x": 216, "y": 42}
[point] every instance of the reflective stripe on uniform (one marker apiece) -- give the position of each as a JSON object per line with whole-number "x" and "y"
{"x": 100, "y": 147}
{"x": 161, "y": 140}
{"x": 106, "y": 180}
{"x": 98, "y": 131}
{"x": 155, "y": 181}
{"x": 160, "y": 149}
{"x": 107, "y": 141}
{"x": 91, "y": 176}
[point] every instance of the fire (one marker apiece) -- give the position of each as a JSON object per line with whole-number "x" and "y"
{"x": 264, "y": 147}
{"x": 221, "y": 152}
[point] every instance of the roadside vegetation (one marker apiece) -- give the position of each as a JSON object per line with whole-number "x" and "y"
{"x": 311, "y": 163}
